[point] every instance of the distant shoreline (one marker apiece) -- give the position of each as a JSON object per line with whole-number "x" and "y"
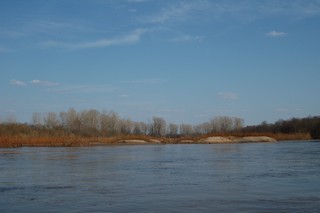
{"x": 91, "y": 127}
{"x": 16, "y": 141}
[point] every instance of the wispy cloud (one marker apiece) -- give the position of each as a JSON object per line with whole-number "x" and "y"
{"x": 173, "y": 12}
{"x": 295, "y": 8}
{"x": 243, "y": 11}
{"x": 34, "y": 82}
{"x": 276, "y": 34}
{"x": 84, "y": 89}
{"x": 131, "y": 38}
{"x": 44, "y": 83}
{"x": 188, "y": 38}
{"x": 228, "y": 95}
{"x": 43, "y": 27}
{"x": 17, "y": 83}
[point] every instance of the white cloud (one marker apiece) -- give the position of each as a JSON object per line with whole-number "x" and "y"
{"x": 131, "y": 38}
{"x": 17, "y": 83}
{"x": 276, "y": 34}
{"x": 44, "y": 83}
{"x": 228, "y": 95}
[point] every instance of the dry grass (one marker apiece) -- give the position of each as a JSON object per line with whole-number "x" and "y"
{"x": 64, "y": 141}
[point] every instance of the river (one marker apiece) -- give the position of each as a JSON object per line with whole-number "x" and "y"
{"x": 252, "y": 177}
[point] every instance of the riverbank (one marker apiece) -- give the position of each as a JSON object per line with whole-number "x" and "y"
{"x": 78, "y": 141}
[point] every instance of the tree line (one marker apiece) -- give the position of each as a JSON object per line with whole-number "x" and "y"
{"x": 94, "y": 123}
{"x": 309, "y": 124}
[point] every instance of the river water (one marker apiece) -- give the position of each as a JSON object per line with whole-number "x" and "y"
{"x": 253, "y": 177}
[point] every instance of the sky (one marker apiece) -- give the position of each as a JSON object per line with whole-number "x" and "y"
{"x": 187, "y": 61}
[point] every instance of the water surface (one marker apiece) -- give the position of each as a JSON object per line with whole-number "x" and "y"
{"x": 255, "y": 177}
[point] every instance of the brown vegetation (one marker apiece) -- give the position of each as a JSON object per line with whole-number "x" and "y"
{"x": 91, "y": 127}
{"x": 77, "y": 141}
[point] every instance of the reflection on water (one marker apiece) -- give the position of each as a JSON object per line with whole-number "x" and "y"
{"x": 257, "y": 177}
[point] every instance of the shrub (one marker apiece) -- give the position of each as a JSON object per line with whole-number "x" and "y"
{"x": 315, "y": 131}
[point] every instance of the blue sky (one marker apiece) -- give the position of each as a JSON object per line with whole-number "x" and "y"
{"x": 186, "y": 61}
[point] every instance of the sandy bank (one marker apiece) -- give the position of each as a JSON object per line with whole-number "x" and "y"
{"x": 150, "y": 141}
{"x": 232, "y": 139}
{"x": 209, "y": 140}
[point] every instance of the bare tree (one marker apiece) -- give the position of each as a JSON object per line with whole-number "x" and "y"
{"x": 109, "y": 123}
{"x": 126, "y": 126}
{"x": 104, "y": 120}
{"x": 226, "y": 123}
{"x": 73, "y": 120}
{"x": 36, "y": 119}
{"x": 215, "y": 125}
{"x": 173, "y": 130}
{"x": 90, "y": 118}
{"x": 221, "y": 124}
{"x": 144, "y": 128}
{"x": 238, "y": 124}
{"x": 93, "y": 123}
{"x": 140, "y": 128}
{"x": 63, "y": 119}
{"x": 90, "y": 122}
{"x": 158, "y": 128}
{"x": 11, "y": 119}
{"x": 186, "y": 129}
{"x": 51, "y": 120}
{"x": 113, "y": 124}
{"x": 204, "y": 128}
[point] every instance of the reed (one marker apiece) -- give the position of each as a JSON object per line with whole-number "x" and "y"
{"x": 74, "y": 140}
